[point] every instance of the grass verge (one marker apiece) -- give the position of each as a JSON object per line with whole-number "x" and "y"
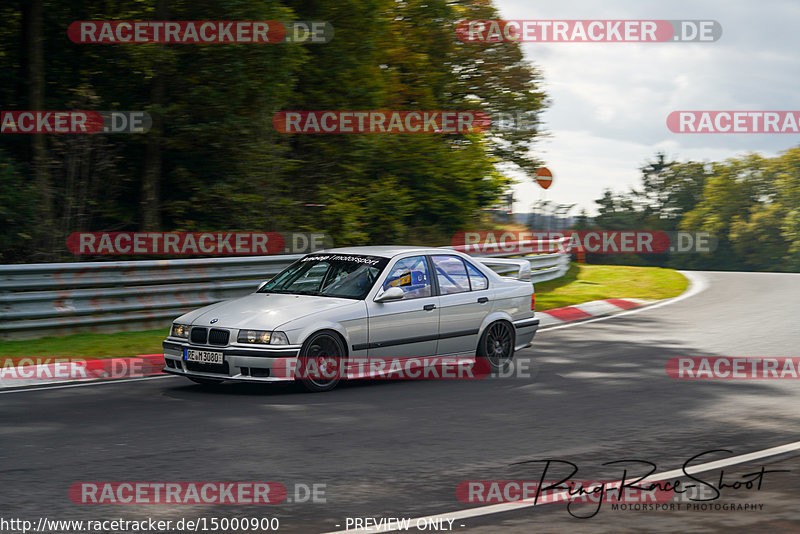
{"x": 87, "y": 345}
{"x": 582, "y": 283}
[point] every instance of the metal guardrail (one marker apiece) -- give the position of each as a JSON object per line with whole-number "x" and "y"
{"x": 60, "y": 298}
{"x": 121, "y": 295}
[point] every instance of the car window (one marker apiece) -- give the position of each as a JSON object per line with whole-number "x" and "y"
{"x": 330, "y": 275}
{"x": 451, "y": 274}
{"x": 477, "y": 279}
{"x": 312, "y": 278}
{"x": 410, "y": 275}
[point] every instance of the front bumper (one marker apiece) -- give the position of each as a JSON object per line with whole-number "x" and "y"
{"x": 272, "y": 364}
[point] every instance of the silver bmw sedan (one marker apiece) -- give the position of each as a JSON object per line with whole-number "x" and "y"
{"x": 360, "y": 312}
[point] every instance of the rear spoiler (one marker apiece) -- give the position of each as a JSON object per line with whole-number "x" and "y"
{"x": 515, "y": 268}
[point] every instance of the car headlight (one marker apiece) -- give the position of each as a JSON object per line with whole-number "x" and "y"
{"x": 263, "y": 337}
{"x": 180, "y": 330}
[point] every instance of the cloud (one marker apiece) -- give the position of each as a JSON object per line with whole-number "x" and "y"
{"x": 611, "y": 100}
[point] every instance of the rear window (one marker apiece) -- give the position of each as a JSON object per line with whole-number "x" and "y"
{"x": 477, "y": 279}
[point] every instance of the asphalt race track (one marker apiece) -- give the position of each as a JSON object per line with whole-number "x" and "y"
{"x": 598, "y": 392}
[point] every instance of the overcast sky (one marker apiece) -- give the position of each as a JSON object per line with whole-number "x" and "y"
{"x": 610, "y": 101}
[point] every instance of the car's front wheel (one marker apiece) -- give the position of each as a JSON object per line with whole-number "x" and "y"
{"x": 496, "y": 345}
{"x": 319, "y": 364}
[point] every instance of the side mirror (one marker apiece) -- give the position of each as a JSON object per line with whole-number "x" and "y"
{"x": 393, "y": 293}
{"x": 262, "y": 284}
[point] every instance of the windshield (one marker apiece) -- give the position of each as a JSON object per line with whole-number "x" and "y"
{"x": 332, "y": 275}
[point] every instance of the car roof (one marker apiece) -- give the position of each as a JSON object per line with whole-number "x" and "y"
{"x": 387, "y": 251}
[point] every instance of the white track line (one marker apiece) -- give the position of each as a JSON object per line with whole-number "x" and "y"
{"x": 93, "y": 383}
{"x": 697, "y": 284}
{"x": 517, "y": 505}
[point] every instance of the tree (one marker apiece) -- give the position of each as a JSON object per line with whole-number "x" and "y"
{"x": 213, "y": 161}
{"x": 32, "y": 15}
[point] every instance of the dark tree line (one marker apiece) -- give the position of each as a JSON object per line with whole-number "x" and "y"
{"x": 213, "y": 161}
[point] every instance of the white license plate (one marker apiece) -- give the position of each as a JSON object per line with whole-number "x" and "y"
{"x": 203, "y": 356}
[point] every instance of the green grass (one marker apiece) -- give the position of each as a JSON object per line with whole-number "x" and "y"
{"x": 582, "y": 283}
{"x": 87, "y": 345}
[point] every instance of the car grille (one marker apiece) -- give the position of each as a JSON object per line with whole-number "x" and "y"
{"x": 218, "y": 337}
{"x": 208, "y": 367}
{"x": 199, "y": 335}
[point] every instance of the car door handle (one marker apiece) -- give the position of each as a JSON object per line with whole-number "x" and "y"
{"x": 483, "y": 299}
{"x": 429, "y": 307}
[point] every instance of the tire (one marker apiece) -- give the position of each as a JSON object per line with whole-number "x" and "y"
{"x": 496, "y": 346}
{"x": 319, "y": 362}
{"x": 205, "y": 381}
